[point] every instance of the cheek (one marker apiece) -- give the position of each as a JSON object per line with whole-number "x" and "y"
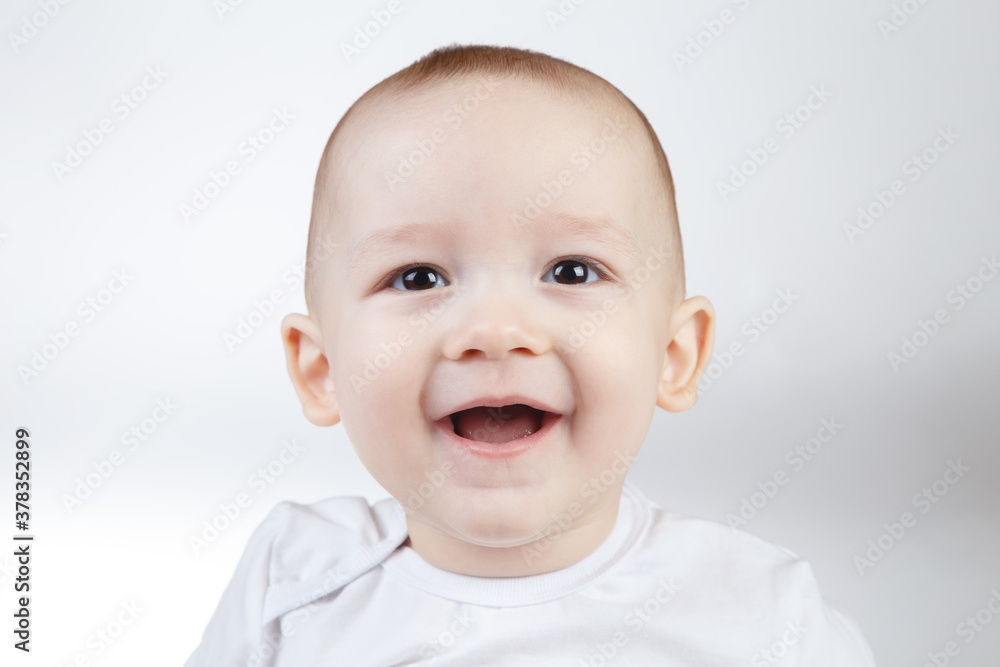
{"x": 617, "y": 343}
{"x": 616, "y": 375}
{"x": 376, "y": 375}
{"x": 373, "y": 358}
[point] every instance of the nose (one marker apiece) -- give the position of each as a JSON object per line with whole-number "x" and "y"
{"x": 491, "y": 326}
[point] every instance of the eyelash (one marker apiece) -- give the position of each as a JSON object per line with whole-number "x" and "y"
{"x": 595, "y": 266}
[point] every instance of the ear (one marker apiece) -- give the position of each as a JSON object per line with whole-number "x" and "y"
{"x": 309, "y": 370}
{"x": 688, "y": 354}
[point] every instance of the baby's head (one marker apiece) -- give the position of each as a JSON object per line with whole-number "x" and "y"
{"x": 500, "y": 303}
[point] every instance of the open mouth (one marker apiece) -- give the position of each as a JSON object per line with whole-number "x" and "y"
{"x": 497, "y": 424}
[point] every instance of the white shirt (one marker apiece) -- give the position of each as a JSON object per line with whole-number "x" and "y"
{"x": 329, "y": 584}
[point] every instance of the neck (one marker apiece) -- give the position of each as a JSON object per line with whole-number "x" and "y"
{"x": 559, "y": 548}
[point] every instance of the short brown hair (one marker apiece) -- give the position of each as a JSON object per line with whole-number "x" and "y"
{"x": 455, "y": 62}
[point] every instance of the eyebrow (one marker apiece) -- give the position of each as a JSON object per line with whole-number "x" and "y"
{"x": 602, "y": 229}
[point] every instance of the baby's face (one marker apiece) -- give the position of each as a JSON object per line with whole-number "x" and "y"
{"x": 517, "y": 263}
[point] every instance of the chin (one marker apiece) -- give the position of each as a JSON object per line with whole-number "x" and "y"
{"x": 505, "y": 527}
{"x": 498, "y": 537}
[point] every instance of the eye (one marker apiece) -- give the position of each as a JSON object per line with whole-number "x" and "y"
{"x": 574, "y": 271}
{"x": 568, "y": 271}
{"x": 415, "y": 278}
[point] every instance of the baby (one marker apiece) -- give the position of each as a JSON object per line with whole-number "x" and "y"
{"x": 498, "y": 310}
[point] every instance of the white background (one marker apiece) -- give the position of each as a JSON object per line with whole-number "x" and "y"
{"x": 161, "y": 337}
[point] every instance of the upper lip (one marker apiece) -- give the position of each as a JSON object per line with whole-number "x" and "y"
{"x": 498, "y": 402}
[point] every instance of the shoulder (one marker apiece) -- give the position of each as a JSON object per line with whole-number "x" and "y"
{"x": 316, "y": 549}
{"x": 307, "y": 540}
{"x": 730, "y": 577}
{"x": 297, "y": 554}
{"x": 698, "y": 547}
{"x": 731, "y": 567}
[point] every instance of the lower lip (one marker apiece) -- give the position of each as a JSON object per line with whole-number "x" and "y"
{"x": 499, "y": 450}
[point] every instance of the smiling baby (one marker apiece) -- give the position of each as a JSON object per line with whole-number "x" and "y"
{"x": 500, "y": 312}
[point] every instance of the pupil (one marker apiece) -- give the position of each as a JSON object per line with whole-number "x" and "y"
{"x": 419, "y": 279}
{"x": 573, "y": 272}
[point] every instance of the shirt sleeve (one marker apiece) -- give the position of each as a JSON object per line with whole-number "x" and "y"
{"x": 235, "y": 635}
{"x": 826, "y": 635}
{"x": 845, "y": 645}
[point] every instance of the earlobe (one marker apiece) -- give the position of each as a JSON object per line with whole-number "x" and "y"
{"x": 688, "y": 354}
{"x": 309, "y": 370}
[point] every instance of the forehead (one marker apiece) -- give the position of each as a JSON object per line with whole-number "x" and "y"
{"x": 481, "y": 150}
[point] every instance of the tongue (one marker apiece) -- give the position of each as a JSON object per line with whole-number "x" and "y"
{"x": 497, "y": 424}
